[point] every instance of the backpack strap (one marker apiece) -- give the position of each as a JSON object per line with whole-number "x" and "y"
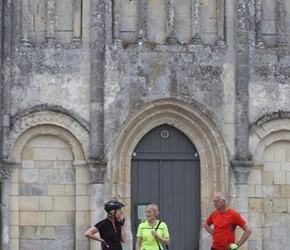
{"x": 156, "y": 230}
{"x": 158, "y": 225}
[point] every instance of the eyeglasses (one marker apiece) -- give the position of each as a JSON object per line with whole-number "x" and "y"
{"x": 216, "y": 201}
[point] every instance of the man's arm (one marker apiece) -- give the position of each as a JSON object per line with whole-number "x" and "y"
{"x": 208, "y": 228}
{"x": 246, "y": 234}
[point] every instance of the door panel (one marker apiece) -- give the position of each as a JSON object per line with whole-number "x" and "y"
{"x": 167, "y": 172}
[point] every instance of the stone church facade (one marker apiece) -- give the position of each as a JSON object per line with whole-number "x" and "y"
{"x": 83, "y": 81}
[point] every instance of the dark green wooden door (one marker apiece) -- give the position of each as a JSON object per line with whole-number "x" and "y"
{"x": 165, "y": 170}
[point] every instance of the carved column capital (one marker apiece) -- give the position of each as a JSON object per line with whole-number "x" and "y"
{"x": 97, "y": 170}
{"x": 242, "y": 169}
{"x": 6, "y": 169}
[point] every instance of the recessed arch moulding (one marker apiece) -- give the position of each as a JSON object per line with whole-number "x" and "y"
{"x": 265, "y": 134}
{"x": 70, "y": 131}
{"x": 50, "y": 123}
{"x": 269, "y": 130}
{"x": 189, "y": 120}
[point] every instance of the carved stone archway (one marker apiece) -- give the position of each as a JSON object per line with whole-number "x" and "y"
{"x": 265, "y": 134}
{"x": 268, "y": 133}
{"x": 195, "y": 125}
{"x": 55, "y": 119}
{"x": 30, "y": 126}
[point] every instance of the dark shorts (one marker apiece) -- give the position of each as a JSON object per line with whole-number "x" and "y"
{"x": 217, "y": 249}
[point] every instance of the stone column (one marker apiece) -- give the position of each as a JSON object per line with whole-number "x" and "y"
{"x": 281, "y": 23}
{"x": 241, "y": 203}
{"x": 5, "y": 173}
{"x": 77, "y": 37}
{"x": 170, "y": 22}
{"x": 97, "y": 164}
{"x": 97, "y": 199}
{"x": 97, "y": 193}
{"x": 6, "y": 82}
{"x": 258, "y": 23}
{"x": 50, "y": 26}
{"x": 6, "y": 79}
{"x": 116, "y": 6}
{"x": 242, "y": 93}
{"x": 25, "y": 23}
{"x": 1, "y": 27}
{"x": 96, "y": 153}
{"x": 221, "y": 22}
{"x": 5, "y": 167}
{"x": 5, "y": 215}
{"x": 196, "y": 39}
{"x": 143, "y": 5}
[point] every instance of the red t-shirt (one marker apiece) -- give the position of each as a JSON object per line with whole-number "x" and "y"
{"x": 225, "y": 224}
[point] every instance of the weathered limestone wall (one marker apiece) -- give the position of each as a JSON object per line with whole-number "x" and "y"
{"x": 49, "y": 78}
{"x": 82, "y": 74}
{"x": 43, "y": 196}
{"x": 142, "y": 74}
{"x": 269, "y": 197}
{"x": 269, "y": 88}
{"x": 160, "y": 21}
{"x": 49, "y": 185}
{"x": 269, "y": 184}
{"x": 269, "y": 118}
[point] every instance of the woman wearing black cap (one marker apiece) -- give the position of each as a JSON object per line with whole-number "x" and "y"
{"x": 111, "y": 229}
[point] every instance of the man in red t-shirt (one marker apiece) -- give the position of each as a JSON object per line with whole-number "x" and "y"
{"x": 224, "y": 221}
